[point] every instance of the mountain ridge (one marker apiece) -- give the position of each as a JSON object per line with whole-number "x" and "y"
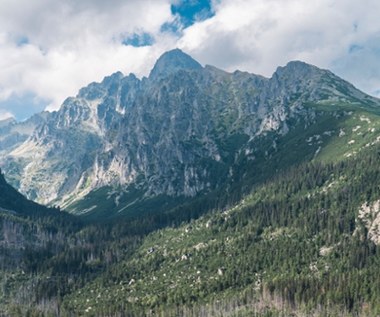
{"x": 179, "y": 134}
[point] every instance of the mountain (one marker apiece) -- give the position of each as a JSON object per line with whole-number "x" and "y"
{"x": 127, "y": 146}
{"x": 236, "y": 195}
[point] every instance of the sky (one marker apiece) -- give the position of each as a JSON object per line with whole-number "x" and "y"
{"x": 49, "y": 49}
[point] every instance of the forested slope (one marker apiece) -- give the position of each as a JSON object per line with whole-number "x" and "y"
{"x": 299, "y": 243}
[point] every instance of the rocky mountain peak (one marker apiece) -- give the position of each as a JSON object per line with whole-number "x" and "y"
{"x": 171, "y": 62}
{"x": 178, "y": 133}
{"x": 298, "y": 70}
{"x": 114, "y": 78}
{"x": 306, "y": 82}
{"x": 96, "y": 90}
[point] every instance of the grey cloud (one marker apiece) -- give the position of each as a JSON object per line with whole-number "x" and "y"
{"x": 52, "y": 48}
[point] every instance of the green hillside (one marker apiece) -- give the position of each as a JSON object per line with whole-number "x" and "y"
{"x": 295, "y": 244}
{"x": 303, "y": 242}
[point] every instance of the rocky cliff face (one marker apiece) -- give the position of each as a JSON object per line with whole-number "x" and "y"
{"x": 175, "y": 133}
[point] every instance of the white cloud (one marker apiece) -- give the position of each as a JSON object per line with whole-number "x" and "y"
{"x": 50, "y": 49}
{"x": 5, "y": 115}
{"x": 259, "y": 35}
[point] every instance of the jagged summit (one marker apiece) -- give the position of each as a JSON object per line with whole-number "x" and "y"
{"x": 96, "y": 90}
{"x": 300, "y": 77}
{"x": 297, "y": 64}
{"x": 172, "y": 61}
{"x": 298, "y": 69}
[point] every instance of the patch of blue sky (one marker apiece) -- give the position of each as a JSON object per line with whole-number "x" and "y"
{"x": 186, "y": 13}
{"x": 24, "y": 106}
{"x": 191, "y": 11}
{"x": 354, "y": 48}
{"x": 22, "y": 40}
{"x": 138, "y": 40}
{"x": 172, "y": 27}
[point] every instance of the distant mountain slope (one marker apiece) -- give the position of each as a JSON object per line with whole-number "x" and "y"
{"x": 15, "y": 203}
{"x": 125, "y": 145}
{"x": 14, "y": 133}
